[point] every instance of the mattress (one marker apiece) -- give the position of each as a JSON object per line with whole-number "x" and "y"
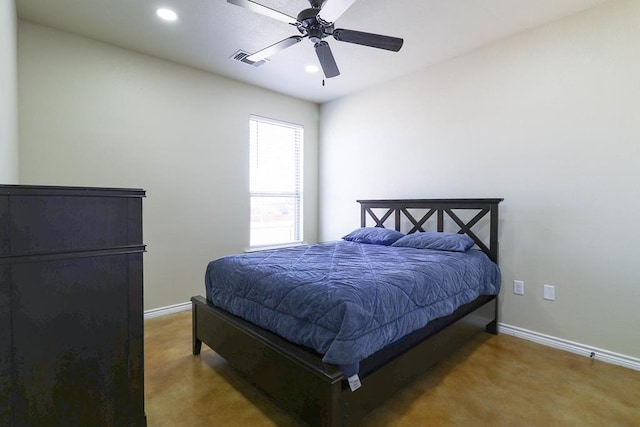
{"x": 347, "y": 300}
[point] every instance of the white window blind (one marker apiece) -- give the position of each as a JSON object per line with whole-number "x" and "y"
{"x": 275, "y": 182}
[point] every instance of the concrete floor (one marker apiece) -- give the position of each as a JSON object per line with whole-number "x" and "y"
{"x": 492, "y": 381}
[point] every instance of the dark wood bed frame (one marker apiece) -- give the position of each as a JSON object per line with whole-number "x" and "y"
{"x": 296, "y": 378}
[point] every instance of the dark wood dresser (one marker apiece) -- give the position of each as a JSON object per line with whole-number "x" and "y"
{"x": 71, "y": 315}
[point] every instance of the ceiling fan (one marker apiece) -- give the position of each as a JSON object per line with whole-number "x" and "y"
{"x": 316, "y": 23}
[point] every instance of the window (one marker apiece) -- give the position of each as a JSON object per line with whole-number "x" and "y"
{"x": 275, "y": 182}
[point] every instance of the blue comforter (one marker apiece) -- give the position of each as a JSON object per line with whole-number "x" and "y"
{"x": 347, "y": 300}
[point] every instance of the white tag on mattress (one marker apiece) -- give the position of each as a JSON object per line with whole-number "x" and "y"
{"x": 354, "y": 382}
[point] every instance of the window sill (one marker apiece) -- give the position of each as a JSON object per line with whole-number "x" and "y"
{"x": 271, "y": 247}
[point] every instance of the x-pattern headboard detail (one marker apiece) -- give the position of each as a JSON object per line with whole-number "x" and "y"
{"x": 439, "y": 207}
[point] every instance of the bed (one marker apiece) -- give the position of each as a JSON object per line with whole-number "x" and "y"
{"x": 310, "y": 379}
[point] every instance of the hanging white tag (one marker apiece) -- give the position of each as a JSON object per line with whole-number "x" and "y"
{"x": 354, "y": 382}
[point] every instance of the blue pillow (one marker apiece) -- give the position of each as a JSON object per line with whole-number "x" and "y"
{"x": 439, "y": 241}
{"x": 374, "y": 236}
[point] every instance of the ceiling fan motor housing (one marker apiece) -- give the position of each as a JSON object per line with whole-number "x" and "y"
{"x": 309, "y": 25}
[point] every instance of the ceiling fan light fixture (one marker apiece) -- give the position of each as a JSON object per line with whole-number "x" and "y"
{"x": 167, "y": 14}
{"x": 311, "y": 69}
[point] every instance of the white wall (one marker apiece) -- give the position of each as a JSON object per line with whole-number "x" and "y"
{"x": 549, "y": 121}
{"x": 95, "y": 115}
{"x": 8, "y": 95}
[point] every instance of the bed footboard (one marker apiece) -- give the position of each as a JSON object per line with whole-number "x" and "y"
{"x": 292, "y": 376}
{"x": 316, "y": 392}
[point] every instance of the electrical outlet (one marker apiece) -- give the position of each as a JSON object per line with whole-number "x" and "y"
{"x": 549, "y": 292}
{"x": 518, "y": 287}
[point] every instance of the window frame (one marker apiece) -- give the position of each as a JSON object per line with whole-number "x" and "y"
{"x": 297, "y": 194}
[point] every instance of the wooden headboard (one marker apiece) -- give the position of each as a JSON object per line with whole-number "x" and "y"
{"x": 414, "y": 215}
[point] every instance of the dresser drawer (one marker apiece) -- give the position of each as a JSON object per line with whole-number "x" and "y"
{"x": 38, "y": 223}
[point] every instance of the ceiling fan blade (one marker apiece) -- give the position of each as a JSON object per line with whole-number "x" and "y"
{"x": 327, "y": 61}
{"x": 274, "y": 48}
{"x": 264, "y": 10}
{"x": 368, "y": 39}
{"x": 333, "y": 9}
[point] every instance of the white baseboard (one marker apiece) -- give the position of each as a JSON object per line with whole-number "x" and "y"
{"x": 550, "y": 341}
{"x": 572, "y": 347}
{"x": 165, "y": 311}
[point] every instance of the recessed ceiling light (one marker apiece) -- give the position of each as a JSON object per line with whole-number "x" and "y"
{"x": 167, "y": 14}
{"x": 311, "y": 69}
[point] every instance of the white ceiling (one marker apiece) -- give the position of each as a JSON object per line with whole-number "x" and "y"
{"x": 209, "y": 32}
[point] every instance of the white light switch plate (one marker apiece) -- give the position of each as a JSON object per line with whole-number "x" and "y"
{"x": 549, "y": 292}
